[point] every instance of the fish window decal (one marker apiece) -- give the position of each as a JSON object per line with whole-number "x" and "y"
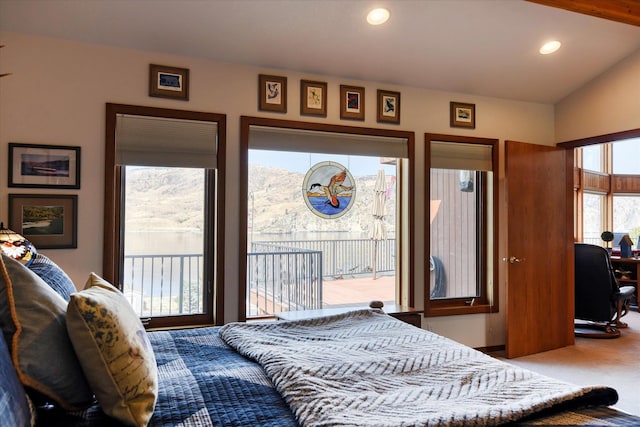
{"x": 329, "y": 190}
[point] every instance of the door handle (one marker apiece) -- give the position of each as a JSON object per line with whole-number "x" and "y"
{"x": 513, "y": 260}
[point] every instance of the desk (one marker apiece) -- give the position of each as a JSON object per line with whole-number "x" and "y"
{"x": 632, "y": 265}
{"x": 627, "y": 264}
{"x": 401, "y": 312}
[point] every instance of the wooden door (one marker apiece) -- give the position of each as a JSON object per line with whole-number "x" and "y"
{"x": 540, "y": 306}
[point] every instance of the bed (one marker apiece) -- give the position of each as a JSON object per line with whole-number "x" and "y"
{"x": 360, "y": 368}
{"x": 203, "y": 381}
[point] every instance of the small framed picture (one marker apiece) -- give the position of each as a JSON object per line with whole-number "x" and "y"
{"x": 388, "y": 107}
{"x": 463, "y": 115}
{"x": 44, "y": 166}
{"x": 49, "y": 221}
{"x": 272, "y": 92}
{"x": 168, "y": 82}
{"x": 351, "y": 102}
{"x": 313, "y": 98}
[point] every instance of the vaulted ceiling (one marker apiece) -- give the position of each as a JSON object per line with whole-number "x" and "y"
{"x": 478, "y": 47}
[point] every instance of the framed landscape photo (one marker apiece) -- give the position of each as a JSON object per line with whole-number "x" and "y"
{"x": 351, "y": 102}
{"x": 272, "y": 93}
{"x": 44, "y": 166}
{"x": 463, "y": 115}
{"x": 47, "y": 221}
{"x": 313, "y": 98}
{"x": 388, "y": 107}
{"x": 168, "y": 82}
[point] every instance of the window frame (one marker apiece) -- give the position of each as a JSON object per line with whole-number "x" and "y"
{"x": 113, "y": 231}
{"x": 487, "y": 272}
{"x": 405, "y": 271}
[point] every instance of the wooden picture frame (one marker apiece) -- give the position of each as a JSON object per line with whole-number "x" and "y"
{"x": 463, "y": 115}
{"x": 272, "y": 93}
{"x": 44, "y": 166}
{"x": 313, "y": 98}
{"x": 168, "y": 82}
{"x": 49, "y": 221}
{"x": 388, "y": 106}
{"x": 351, "y": 102}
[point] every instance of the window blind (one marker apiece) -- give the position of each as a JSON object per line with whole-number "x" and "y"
{"x": 283, "y": 139}
{"x": 463, "y": 156}
{"x": 156, "y": 141}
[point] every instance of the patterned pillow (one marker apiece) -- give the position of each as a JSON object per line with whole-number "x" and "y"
{"x": 32, "y": 318}
{"x": 114, "y": 351}
{"x": 53, "y": 275}
{"x": 14, "y": 408}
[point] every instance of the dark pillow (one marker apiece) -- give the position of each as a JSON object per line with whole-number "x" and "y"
{"x": 53, "y": 275}
{"x": 14, "y": 408}
{"x": 33, "y": 321}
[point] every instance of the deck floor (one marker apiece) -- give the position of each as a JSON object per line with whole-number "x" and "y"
{"x": 362, "y": 290}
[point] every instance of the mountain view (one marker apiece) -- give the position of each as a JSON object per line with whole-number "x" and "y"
{"x": 275, "y": 204}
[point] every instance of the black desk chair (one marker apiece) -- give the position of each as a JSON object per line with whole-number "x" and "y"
{"x": 599, "y": 302}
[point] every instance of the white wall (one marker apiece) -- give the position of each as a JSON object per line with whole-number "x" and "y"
{"x": 58, "y": 92}
{"x": 608, "y": 104}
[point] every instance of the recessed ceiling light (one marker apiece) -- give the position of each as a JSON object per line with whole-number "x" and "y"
{"x": 550, "y": 47}
{"x": 378, "y": 16}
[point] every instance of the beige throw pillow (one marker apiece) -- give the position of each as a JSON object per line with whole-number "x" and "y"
{"x": 114, "y": 351}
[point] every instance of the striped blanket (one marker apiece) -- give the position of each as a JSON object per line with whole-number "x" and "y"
{"x": 365, "y": 368}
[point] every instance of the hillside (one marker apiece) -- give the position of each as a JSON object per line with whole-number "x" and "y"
{"x": 168, "y": 201}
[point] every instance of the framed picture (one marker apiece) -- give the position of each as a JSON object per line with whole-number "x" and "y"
{"x": 272, "y": 92}
{"x": 351, "y": 102}
{"x": 44, "y": 166}
{"x": 463, "y": 115}
{"x": 168, "y": 82}
{"x": 48, "y": 221}
{"x": 313, "y": 98}
{"x": 388, "y": 107}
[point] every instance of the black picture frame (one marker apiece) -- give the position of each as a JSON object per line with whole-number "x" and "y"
{"x": 49, "y": 221}
{"x": 44, "y": 166}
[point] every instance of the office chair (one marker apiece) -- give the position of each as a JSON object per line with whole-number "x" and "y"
{"x": 599, "y": 301}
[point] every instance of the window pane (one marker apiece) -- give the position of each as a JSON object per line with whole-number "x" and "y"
{"x": 592, "y": 218}
{"x": 310, "y": 231}
{"x": 164, "y": 240}
{"x": 454, "y": 234}
{"x": 592, "y": 158}
{"x": 626, "y": 217}
{"x": 625, "y": 157}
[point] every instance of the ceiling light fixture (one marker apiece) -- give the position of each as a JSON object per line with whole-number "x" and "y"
{"x": 550, "y": 47}
{"x": 378, "y": 16}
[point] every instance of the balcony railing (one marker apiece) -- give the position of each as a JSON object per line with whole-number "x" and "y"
{"x": 164, "y": 285}
{"x": 281, "y": 276}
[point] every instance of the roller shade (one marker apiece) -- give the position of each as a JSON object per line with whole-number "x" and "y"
{"x": 463, "y": 156}
{"x": 158, "y": 141}
{"x": 282, "y": 139}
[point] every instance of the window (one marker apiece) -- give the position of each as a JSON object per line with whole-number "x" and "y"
{"x": 607, "y": 190}
{"x": 626, "y": 217}
{"x": 164, "y": 181}
{"x": 593, "y": 218}
{"x": 625, "y": 157}
{"x": 315, "y": 236}
{"x": 592, "y": 158}
{"x": 461, "y": 276}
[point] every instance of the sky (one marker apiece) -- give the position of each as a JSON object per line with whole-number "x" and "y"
{"x": 626, "y": 157}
